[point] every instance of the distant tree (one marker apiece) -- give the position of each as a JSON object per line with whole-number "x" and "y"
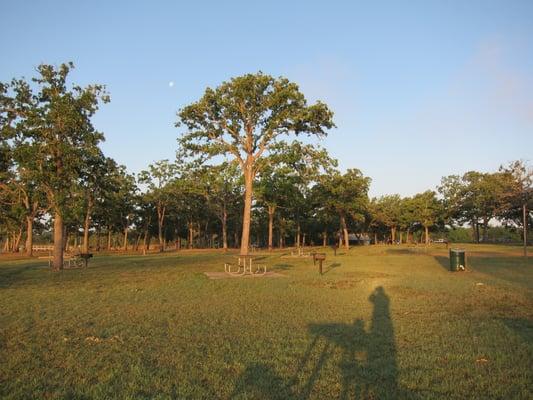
{"x": 94, "y": 184}
{"x": 244, "y": 118}
{"x": 347, "y": 195}
{"x": 406, "y": 218}
{"x": 518, "y": 196}
{"x": 387, "y": 211}
{"x": 158, "y": 179}
{"x": 427, "y": 211}
{"x": 286, "y": 178}
{"x": 220, "y": 185}
{"x": 475, "y": 198}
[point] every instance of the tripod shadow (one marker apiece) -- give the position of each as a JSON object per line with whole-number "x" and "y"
{"x": 365, "y": 361}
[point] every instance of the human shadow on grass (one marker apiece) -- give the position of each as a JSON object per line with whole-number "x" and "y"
{"x": 367, "y": 367}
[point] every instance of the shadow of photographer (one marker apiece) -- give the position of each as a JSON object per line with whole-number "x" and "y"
{"x": 367, "y": 363}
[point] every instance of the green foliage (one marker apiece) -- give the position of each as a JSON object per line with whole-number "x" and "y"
{"x": 346, "y": 194}
{"x": 51, "y": 128}
{"x": 246, "y": 115}
{"x": 428, "y": 209}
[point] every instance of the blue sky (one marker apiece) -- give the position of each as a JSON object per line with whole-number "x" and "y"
{"x": 420, "y": 89}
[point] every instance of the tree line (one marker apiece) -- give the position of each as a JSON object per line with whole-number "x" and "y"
{"x": 242, "y": 177}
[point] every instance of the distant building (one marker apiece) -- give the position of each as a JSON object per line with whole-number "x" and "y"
{"x": 359, "y": 239}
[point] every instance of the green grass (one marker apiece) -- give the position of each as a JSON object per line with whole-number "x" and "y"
{"x": 382, "y": 322}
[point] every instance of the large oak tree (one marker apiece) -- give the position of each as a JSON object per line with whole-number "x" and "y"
{"x": 243, "y": 119}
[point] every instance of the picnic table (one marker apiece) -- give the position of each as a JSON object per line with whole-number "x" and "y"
{"x": 70, "y": 261}
{"x": 245, "y": 265}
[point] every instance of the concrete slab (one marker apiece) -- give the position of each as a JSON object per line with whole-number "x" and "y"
{"x": 225, "y": 275}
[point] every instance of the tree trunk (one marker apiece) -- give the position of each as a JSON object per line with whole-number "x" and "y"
{"x": 190, "y": 239}
{"x": 29, "y": 236}
{"x": 86, "y": 225}
{"x": 160, "y": 222}
{"x": 375, "y": 238}
{"x": 298, "y": 236}
{"x": 475, "y": 226}
{"x": 345, "y": 232}
{"x": 407, "y": 236}
{"x": 324, "y": 239}
{"x": 393, "y": 234}
{"x": 224, "y": 229}
{"x": 247, "y": 213}
{"x": 271, "y": 210}
{"x": 66, "y": 238}
{"x": 137, "y": 242}
{"x": 401, "y": 237}
{"x": 485, "y": 230}
{"x": 109, "y": 238}
{"x": 98, "y": 237}
{"x": 16, "y": 240}
{"x": 125, "y": 243}
{"x": 426, "y": 230}
{"x": 58, "y": 242}
{"x": 160, "y": 237}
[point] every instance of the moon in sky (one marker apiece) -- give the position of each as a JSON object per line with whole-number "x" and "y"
{"x": 171, "y": 83}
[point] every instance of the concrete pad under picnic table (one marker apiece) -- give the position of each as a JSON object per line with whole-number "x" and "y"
{"x": 225, "y": 275}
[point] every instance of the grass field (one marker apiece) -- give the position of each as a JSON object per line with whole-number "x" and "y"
{"x": 382, "y": 322}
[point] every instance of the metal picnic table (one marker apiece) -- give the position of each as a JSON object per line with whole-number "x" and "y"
{"x": 245, "y": 265}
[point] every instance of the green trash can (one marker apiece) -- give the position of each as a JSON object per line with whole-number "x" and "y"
{"x": 457, "y": 259}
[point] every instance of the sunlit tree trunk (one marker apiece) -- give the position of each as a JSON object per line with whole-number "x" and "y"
{"x": 345, "y": 232}
{"x": 271, "y": 210}
{"x": 86, "y": 225}
{"x": 160, "y": 221}
{"x": 247, "y": 213}
{"x": 16, "y": 240}
{"x": 58, "y": 242}
{"x": 485, "y": 230}
{"x": 29, "y": 236}
{"x": 224, "y": 229}
{"x": 108, "y": 238}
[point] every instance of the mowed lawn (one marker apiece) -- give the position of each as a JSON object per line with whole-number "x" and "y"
{"x": 382, "y": 322}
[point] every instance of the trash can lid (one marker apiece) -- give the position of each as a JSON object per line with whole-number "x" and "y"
{"x": 458, "y": 250}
